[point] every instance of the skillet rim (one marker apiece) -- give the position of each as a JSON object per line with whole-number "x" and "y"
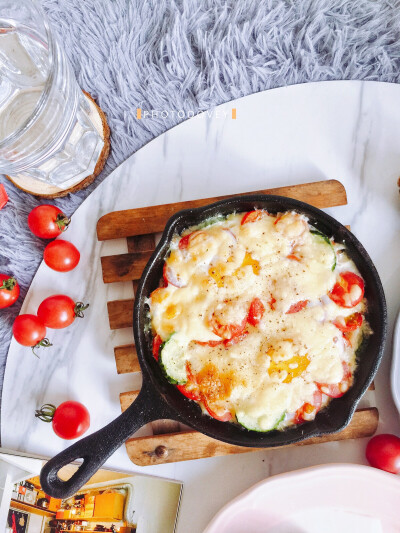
{"x": 343, "y": 408}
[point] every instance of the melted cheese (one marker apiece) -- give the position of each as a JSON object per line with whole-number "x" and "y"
{"x": 214, "y": 278}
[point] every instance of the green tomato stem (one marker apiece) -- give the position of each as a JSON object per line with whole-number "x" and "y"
{"x": 46, "y": 412}
{"x": 45, "y": 343}
{"x": 62, "y": 221}
{"x": 8, "y": 284}
{"x": 79, "y": 308}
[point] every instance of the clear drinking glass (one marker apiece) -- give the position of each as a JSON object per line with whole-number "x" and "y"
{"x": 45, "y": 129}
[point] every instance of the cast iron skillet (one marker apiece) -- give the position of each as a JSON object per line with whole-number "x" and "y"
{"x": 159, "y": 399}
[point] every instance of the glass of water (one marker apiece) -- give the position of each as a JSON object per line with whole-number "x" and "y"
{"x": 46, "y": 132}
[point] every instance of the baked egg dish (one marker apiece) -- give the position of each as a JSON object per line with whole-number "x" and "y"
{"x": 258, "y": 318}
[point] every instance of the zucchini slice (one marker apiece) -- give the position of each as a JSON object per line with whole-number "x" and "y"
{"x": 251, "y": 424}
{"x": 210, "y": 221}
{"x": 172, "y": 360}
{"x": 327, "y": 240}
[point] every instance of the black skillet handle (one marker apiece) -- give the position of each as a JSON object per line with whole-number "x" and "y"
{"x": 96, "y": 448}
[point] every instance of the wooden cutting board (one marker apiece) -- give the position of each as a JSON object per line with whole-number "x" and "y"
{"x": 172, "y": 442}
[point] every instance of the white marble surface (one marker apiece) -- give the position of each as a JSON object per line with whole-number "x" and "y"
{"x": 344, "y": 130}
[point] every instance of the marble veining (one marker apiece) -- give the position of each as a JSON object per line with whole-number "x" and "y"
{"x": 344, "y": 130}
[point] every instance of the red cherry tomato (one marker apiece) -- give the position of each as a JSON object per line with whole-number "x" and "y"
{"x": 234, "y": 333}
{"x": 61, "y": 256}
{"x": 193, "y": 238}
{"x": 253, "y": 216}
{"x": 224, "y": 416}
{"x": 226, "y": 342}
{"x": 348, "y": 291}
{"x": 272, "y": 303}
{"x": 349, "y": 323}
{"x": 191, "y": 388}
{"x": 256, "y": 312}
{"x": 383, "y": 451}
{"x": 170, "y": 277}
{"x": 346, "y": 338}
{"x": 184, "y": 242}
{"x": 28, "y": 330}
{"x": 236, "y": 338}
{"x": 70, "y": 419}
{"x": 227, "y": 331}
{"x": 209, "y": 343}
{"x": 47, "y": 221}
{"x": 190, "y": 392}
{"x": 308, "y": 411}
{"x": 295, "y": 308}
{"x": 9, "y": 290}
{"x": 336, "y": 390}
{"x": 157, "y": 342}
{"x": 59, "y": 311}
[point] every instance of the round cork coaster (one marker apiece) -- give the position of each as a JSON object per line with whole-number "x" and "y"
{"x": 46, "y": 190}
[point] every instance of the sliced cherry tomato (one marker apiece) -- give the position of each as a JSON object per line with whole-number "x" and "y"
{"x": 236, "y": 338}
{"x": 308, "y": 411}
{"x": 170, "y": 277}
{"x": 47, "y": 221}
{"x": 223, "y": 417}
{"x": 227, "y": 331}
{"x": 3, "y": 196}
{"x": 348, "y": 291}
{"x": 227, "y": 342}
{"x": 253, "y": 216}
{"x": 336, "y": 390}
{"x": 61, "y": 256}
{"x": 191, "y": 388}
{"x": 9, "y": 291}
{"x": 234, "y": 333}
{"x": 209, "y": 343}
{"x": 346, "y": 338}
{"x": 191, "y": 238}
{"x": 349, "y": 323}
{"x": 190, "y": 375}
{"x": 295, "y": 308}
{"x": 59, "y": 311}
{"x": 256, "y": 312}
{"x": 69, "y": 420}
{"x": 157, "y": 342}
{"x": 29, "y": 330}
{"x": 184, "y": 242}
{"x": 191, "y": 393}
{"x": 383, "y": 451}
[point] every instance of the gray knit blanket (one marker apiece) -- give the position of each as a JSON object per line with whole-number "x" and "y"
{"x": 193, "y": 55}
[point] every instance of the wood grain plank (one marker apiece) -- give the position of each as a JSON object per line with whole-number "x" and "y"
{"x": 162, "y": 427}
{"x": 120, "y": 313}
{"x": 189, "y": 445}
{"x": 124, "y": 267}
{"x": 126, "y": 398}
{"x": 152, "y": 219}
{"x": 126, "y": 359}
{"x": 141, "y": 243}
